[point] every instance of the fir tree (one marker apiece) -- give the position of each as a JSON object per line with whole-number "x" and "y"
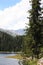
{"x": 34, "y": 31}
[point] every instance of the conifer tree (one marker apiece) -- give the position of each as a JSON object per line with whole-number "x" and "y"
{"x": 34, "y": 31}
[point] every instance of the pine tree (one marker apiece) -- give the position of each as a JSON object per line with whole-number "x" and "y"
{"x": 34, "y": 31}
{"x": 41, "y": 24}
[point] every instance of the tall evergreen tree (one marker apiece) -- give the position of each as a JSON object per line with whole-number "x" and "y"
{"x": 34, "y": 31}
{"x": 41, "y": 24}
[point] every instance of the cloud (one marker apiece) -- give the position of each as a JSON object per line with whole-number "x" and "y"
{"x": 15, "y": 17}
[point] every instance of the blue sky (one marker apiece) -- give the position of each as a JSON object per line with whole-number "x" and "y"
{"x": 7, "y": 3}
{"x": 13, "y": 14}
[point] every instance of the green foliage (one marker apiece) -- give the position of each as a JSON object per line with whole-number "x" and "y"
{"x": 30, "y": 62}
{"x": 33, "y": 41}
{"x": 27, "y": 46}
{"x": 10, "y": 43}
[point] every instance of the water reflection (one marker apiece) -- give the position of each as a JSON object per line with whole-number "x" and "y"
{"x": 8, "y": 61}
{"x": 4, "y": 55}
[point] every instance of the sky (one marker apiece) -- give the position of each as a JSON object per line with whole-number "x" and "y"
{"x": 13, "y": 14}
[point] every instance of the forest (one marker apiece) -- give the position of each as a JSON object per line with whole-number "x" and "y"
{"x": 10, "y": 43}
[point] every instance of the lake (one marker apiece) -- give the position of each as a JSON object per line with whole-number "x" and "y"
{"x": 8, "y": 61}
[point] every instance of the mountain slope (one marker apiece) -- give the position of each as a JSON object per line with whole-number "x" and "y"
{"x": 14, "y": 32}
{"x": 18, "y": 32}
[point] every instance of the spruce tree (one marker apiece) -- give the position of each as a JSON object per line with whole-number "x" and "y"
{"x": 34, "y": 31}
{"x": 41, "y": 39}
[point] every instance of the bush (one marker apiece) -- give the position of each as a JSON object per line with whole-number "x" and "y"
{"x": 30, "y": 62}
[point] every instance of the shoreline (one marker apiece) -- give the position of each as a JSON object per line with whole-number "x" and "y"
{"x": 17, "y": 56}
{"x": 7, "y": 52}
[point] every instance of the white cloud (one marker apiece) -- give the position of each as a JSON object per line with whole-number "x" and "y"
{"x": 15, "y": 17}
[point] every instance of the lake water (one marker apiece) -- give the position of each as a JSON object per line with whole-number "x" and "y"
{"x": 8, "y": 61}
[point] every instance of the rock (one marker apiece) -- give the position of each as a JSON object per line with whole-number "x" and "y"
{"x": 40, "y": 61}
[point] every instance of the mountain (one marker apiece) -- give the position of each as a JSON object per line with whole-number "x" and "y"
{"x": 18, "y": 32}
{"x": 14, "y": 32}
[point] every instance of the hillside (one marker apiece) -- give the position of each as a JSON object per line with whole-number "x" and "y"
{"x": 10, "y": 43}
{"x": 13, "y": 32}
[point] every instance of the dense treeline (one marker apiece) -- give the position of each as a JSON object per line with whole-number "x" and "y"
{"x": 10, "y": 43}
{"x": 33, "y": 41}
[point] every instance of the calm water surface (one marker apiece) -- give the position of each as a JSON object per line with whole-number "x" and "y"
{"x": 8, "y": 61}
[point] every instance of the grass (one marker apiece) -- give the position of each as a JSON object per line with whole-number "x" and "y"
{"x": 30, "y": 62}
{"x": 17, "y": 56}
